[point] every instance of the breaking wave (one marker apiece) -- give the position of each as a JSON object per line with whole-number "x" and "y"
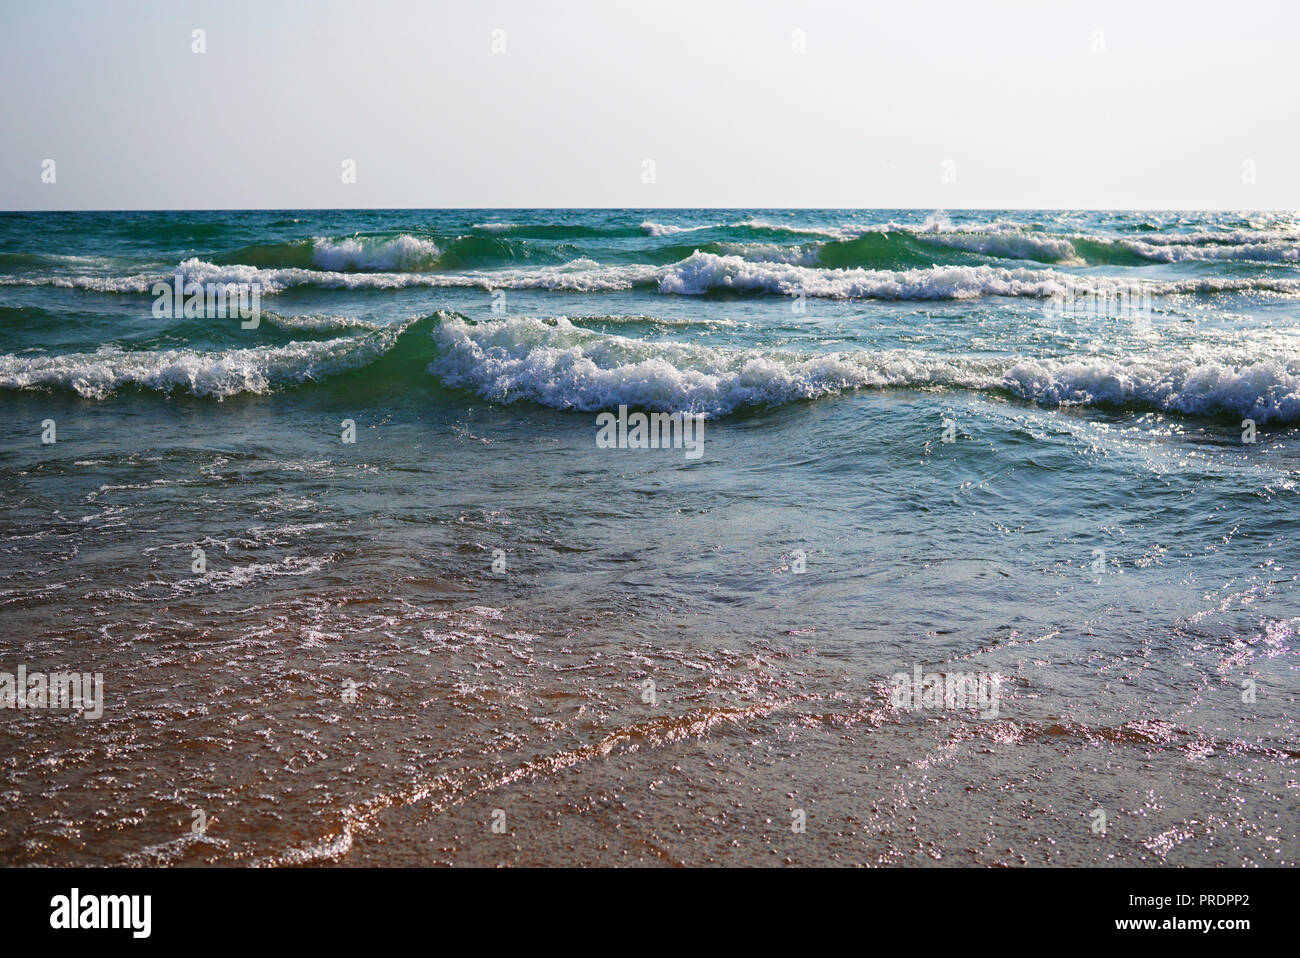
{"x": 560, "y": 365}
{"x": 564, "y": 365}
{"x": 699, "y": 273}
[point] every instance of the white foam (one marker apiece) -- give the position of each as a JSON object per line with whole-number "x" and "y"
{"x": 1255, "y": 249}
{"x": 696, "y": 274}
{"x": 665, "y": 229}
{"x": 1237, "y": 237}
{"x": 803, "y": 255}
{"x": 825, "y": 232}
{"x": 702, "y": 272}
{"x": 566, "y": 367}
{"x": 936, "y": 222}
{"x": 1037, "y": 246}
{"x": 218, "y": 373}
{"x": 378, "y": 253}
{"x": 318, "y": 322}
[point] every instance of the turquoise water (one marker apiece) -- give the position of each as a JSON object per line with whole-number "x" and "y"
{"x": 1004, "y": 442}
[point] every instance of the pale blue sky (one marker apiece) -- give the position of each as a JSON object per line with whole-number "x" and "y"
{"x": 1016, "y": 94}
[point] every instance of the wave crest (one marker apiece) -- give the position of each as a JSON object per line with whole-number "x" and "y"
{"x": 563, "y": 366}
{"x": 218, "y": 374}
{"x": 402, "y": 252}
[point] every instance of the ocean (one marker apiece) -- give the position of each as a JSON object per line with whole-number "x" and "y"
{"x": 365, "y": 586}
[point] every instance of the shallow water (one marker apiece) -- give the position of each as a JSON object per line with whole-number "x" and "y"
{"x": 1096, "y": 534}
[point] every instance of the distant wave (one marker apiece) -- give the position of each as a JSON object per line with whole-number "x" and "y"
{"x": 844, "y": 261}
{"x": 552, "y": 231}
{"x": 401, "y": 252}
{"x": 696, "y": 274}
{"x": 703, "y": 272}
{"x": 888, "y": 243}
{"x": 667, "y": 229}
{"x": 558, "y": 363}
{"x": 25, "y": 260}
{"x": 395, "y": 253}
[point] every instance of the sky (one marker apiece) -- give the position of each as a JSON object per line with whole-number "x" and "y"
{"x": 702, "y": 103}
